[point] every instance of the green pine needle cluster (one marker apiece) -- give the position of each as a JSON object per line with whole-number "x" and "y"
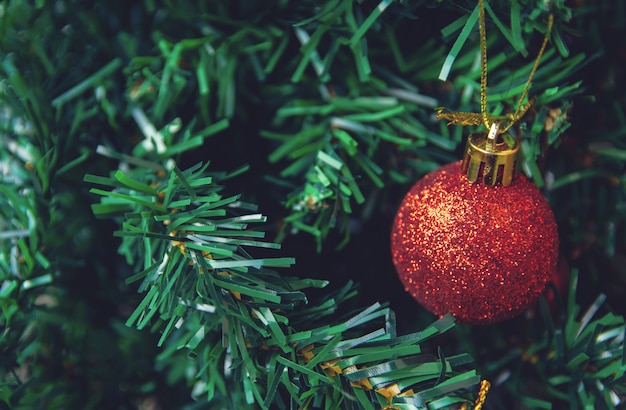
{"x": 204, "y": 292}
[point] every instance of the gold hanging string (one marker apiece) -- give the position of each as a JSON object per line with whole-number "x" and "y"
{"x": 482, "y": 396}
{"x": 483, "y": 63}
{"x": 507, "y": 120}
{"x": 520, "y": 107}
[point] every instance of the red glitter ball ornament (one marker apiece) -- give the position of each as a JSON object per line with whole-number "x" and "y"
{"x": 483, "y": 253}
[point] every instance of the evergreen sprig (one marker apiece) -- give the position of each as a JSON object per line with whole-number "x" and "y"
{"x": 586, "y": 355}
{"x": 27, "y": 165}
{"x": 339, "y": 145}
{"x": 24, "y": 270}
{"x": 578, "y": 360}
{"x": 191, "y": 244}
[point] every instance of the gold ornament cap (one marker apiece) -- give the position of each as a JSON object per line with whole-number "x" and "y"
{"x": 489, "y": 157}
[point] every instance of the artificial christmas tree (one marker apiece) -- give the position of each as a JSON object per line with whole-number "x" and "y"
{"x": 137, "y": 275}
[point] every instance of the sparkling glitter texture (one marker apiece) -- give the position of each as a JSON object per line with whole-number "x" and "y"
{"x": 482, "y": 253}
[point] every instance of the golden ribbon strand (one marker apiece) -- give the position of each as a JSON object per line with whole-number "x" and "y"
{"x": 482, "y": 396}
{"x": 483, "y": 62}
{"x": 537, "y": 60}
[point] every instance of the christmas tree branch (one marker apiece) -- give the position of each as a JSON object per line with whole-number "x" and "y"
{"x": 580, "y": 358}
{"x": 191, "y": 244}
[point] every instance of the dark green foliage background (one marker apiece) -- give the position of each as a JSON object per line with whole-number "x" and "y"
{"x": 67, "y": 343}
